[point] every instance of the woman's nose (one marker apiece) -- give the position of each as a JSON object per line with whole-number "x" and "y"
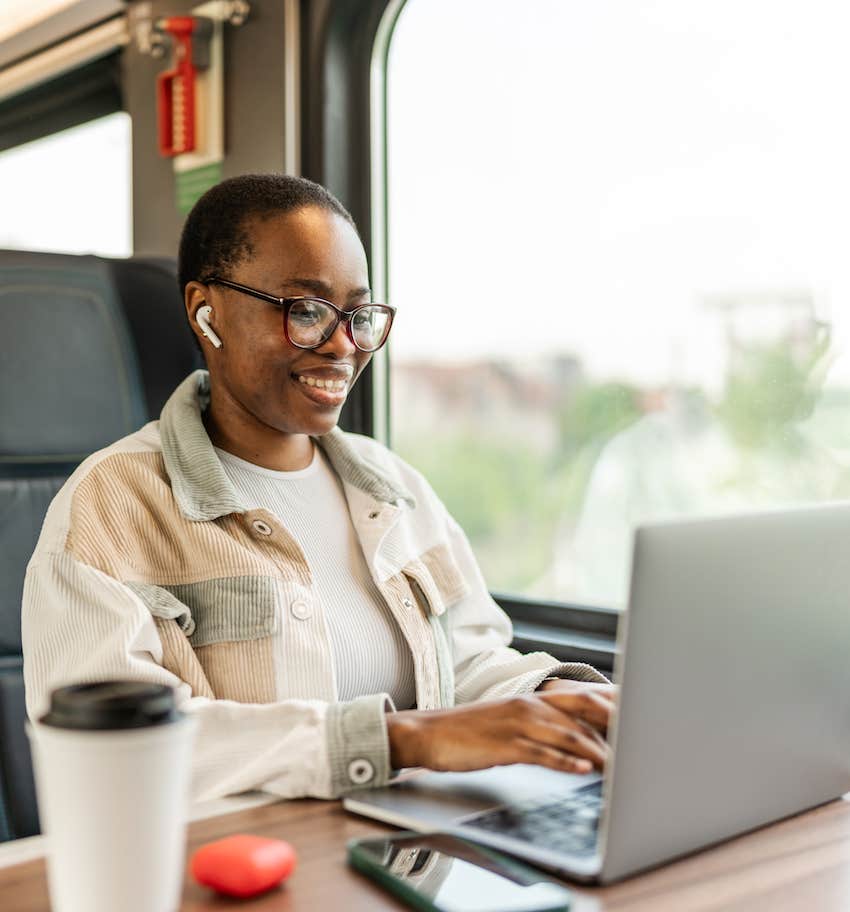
{"x": 340, "y": 342}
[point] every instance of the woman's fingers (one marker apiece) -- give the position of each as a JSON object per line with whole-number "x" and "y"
{"x": 607, "y": 690}
{"x": 528, "y": 751}
{"x": 590, "y": 706}
{"x": 594, "y": 735}
{"x": 571, "y": 738}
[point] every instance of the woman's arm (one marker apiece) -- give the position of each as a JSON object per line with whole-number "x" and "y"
{"x": 500, "y": 719}
{"x": 80, "y": 624}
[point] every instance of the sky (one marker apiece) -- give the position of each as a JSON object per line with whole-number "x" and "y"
{"x": 579, "y": 178}
{"x": 584, "y": 177}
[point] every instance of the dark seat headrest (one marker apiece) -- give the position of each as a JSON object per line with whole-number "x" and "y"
{"x": 69, "y": 378}
{"x": 90, "y": 349}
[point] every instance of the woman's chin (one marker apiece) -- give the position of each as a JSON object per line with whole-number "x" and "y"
{"x": 315, "y": 423}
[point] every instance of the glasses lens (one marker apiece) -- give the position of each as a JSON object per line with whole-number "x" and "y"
{"x": 309, "y": 322}
{"x": 370, "y": 326}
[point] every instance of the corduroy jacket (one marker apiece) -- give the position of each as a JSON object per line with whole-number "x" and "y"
{"x": 149, "y": 568}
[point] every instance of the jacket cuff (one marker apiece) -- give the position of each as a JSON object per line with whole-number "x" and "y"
{"x": 569, "y": 671}
{"x": 358, "y": 746}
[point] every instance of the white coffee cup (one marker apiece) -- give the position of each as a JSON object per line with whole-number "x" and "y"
{"x": 112, "y": 768}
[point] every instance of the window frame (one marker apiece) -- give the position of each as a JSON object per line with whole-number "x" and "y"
{"x": 86, "y": 93}
{"x": 339, "y": 40}
{"x": 343, "y": 76}
{"x": 570, "y": 632}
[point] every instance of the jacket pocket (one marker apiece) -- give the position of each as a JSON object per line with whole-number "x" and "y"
{"x": 229, "y": 610}
{"x": 438, "y": 579}
{"x": 224, "y": 646}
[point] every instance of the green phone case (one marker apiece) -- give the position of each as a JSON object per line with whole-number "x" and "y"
{"x": 363, "y": 862}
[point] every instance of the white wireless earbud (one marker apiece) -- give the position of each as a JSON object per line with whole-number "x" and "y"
{"x": 202, "y": 317}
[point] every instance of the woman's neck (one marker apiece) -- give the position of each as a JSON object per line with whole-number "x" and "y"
{"x": 236, "y": 431}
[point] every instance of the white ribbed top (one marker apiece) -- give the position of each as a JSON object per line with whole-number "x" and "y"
{"x": 370, "y": 652}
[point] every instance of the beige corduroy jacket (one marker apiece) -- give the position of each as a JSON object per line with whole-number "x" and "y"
{"x": 149, "y": 568}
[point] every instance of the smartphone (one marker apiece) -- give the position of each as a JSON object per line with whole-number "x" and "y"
{"x": 436, "y": 872}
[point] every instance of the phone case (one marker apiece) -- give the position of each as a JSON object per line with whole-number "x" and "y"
{"x": 362, "y": 861}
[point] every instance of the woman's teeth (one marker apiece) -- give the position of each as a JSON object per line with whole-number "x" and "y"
{"x": 332, "y": 385}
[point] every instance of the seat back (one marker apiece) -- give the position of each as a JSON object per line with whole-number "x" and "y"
{"x": 90, "y": 349}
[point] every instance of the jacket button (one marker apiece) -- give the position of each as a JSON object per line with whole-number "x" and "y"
{"x": 301, "y": 610}
{"x": 374, "y": 514}
{"x": 261, "y": 528}
{"x": 407, "y": 603}
{"x": 361, "y": 771}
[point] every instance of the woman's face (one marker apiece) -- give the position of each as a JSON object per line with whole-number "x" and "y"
{"x": 306, "y": 252}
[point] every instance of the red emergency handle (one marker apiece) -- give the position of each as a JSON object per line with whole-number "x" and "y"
{"x": 176, "y": 91}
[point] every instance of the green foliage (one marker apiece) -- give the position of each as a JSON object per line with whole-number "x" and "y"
{"x": 594, "y": 414}
{"x": 481, "y": 482}
{"x": 513, "y": 498}
{"x": 766, "y": 394}
{"x": 499, "y": 494}
{"x": 509, "y": 497}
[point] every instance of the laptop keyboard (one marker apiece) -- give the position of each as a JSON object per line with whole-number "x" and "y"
{"x": 566, "y": 824}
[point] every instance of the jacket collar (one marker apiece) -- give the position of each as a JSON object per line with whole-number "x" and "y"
{"x": 201, "y": 486}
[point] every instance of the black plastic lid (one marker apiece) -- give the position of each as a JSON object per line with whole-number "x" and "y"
{"x": 110, "y": 705}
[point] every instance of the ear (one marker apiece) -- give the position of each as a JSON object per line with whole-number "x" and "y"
{"x": 194, "y": 298}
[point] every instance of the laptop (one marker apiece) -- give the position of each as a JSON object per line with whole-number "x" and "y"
{"x": 734, "y": 664}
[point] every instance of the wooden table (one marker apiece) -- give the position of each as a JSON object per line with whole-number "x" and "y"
{"x": 798, "y": 864}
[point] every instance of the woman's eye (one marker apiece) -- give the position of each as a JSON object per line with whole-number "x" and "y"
{"x": 304, "y": 316}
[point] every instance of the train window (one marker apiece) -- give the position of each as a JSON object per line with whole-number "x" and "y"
{"x": 618, "y": 240}
{"x": 70, "y": 192}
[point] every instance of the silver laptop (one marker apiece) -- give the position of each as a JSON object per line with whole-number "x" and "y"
{"x": 734, "y": 661}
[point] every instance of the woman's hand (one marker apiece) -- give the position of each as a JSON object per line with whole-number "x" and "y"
{"x": 563, "y": 685}
{"x": 559, "y": 728}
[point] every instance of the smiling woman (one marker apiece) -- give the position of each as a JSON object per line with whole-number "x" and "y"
{"x": 303, "y": 589}
{"x": 263, "y": 407}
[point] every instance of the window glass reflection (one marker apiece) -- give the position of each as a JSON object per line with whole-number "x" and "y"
{"x": 617, "y": 244}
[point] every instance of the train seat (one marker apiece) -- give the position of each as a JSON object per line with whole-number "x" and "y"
{"x": 90, "y": 349}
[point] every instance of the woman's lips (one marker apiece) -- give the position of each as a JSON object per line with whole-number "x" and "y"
{"x": 332, "y": 392}
{"x": 333, "y": 382}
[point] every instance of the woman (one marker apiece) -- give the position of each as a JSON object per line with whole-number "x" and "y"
{"x": 304, "y": 590}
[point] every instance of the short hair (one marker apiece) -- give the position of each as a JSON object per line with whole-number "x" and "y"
{"x": 215, "y": 236}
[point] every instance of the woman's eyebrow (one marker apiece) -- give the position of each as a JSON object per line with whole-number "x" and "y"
{"x": 322, "y": 289}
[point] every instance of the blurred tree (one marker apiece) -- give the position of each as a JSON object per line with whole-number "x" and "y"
{"x": 499, "y": 491}
{"x": 769, "y": 390}
{"x": 594, "y": 414}
{"x": 509, "y": 495}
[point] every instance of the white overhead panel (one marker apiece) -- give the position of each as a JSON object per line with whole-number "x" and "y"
{"x": 61, "y": 58}
{"x": 29, "y": 27}
{"x": 18, "y": 15}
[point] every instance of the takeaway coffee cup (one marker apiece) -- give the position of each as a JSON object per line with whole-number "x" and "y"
{"x": 112, "y": 766}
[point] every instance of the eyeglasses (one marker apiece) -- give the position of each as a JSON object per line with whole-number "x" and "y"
{"x": 310, "y": 322}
